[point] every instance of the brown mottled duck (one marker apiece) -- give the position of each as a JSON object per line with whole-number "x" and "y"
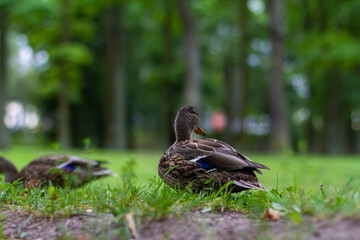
{"x": 205, "y": 164}
{"x": 58, "y": 169}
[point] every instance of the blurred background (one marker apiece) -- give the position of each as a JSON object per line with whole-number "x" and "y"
{"x": 276, "y": 75}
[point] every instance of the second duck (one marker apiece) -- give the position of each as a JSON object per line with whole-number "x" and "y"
{"x": 205, "y": 164}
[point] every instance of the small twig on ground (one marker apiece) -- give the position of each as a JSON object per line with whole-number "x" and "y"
{"x": 130, "y": 222}
{"x": 322, "y": 190}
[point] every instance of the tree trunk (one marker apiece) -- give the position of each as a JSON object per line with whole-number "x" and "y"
{"x": 108, "y": 103}
{"x": 278, "y": 106}
{"x": 117, "y": 83}
{"x": 243, "y": 66}
{"x": 168, "y": 60}
{"x": 311, "y": 134}
{"x": 333, "y": 134}
{"x": 231, "y": 98}
{"x": 322, "y": 15}
{"x": 334, "y": 115}
{"x": 357, "y": 132}
{"x": 307, "y": 16}
{"x": 192, "y": 94}
{"x": 64, "y": 108}
{"x": 3, "y": 75}
{"x": 237, "y": 85}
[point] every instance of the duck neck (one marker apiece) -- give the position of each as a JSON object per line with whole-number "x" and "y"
{"x": 11, "y": 173}
{"x": 182, "y": 132}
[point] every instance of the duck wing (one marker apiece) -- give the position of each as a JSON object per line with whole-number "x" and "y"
{"x": 77, "y": 165}
{"x": 216, "y": 154}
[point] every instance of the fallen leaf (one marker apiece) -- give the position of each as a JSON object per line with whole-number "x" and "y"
{"x": 272, "y": 214}
{"x": 130, "y": 222}
{"x": 84, "y": 236}
{"x": 31, "y": 182}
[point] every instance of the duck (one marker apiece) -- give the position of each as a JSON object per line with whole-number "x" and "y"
{"x": 205, "y": 164}
{"x": 60, "y": 170}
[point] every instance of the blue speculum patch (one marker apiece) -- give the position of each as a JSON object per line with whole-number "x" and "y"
{"x": 70, "y": 167}
{"x": 205, "y": 165}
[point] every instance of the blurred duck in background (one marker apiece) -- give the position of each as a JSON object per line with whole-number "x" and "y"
{"x": 60, "y": 170}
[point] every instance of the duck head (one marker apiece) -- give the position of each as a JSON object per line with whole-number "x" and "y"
{"x": 187, "y": 121}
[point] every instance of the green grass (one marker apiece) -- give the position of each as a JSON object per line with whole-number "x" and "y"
{"x": 293, "y": 185}
{"x": 300, "y": 171}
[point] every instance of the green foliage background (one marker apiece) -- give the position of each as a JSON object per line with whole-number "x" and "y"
{"x": 321, "y": 42}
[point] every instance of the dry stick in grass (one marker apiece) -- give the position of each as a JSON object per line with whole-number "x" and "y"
{"x": 322, "y": 190}
{"x": 130, "y": 222}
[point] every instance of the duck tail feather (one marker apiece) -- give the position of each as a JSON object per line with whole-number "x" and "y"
{"x": 104, "y": 172}
{"x": 247, "y": 185}
{"x": 258, "y": 171}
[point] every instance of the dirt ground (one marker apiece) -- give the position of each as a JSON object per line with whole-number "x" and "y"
{"x": 191, "y": 225}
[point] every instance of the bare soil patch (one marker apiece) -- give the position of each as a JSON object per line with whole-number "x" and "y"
{"x": 191, "y": 225}
{"x": 20, "y": 225}
{"x": 233, "y": 225}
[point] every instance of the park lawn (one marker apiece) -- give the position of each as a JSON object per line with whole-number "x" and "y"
{"x": 286, "y": 170}
{"x": 293, "y": 185}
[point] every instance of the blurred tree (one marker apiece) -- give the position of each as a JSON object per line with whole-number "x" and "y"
{"x": 326, "y": 56}
{"x": 277, "y": 100}
{"x": 167, "y": 88}
{"x": 64, "y": 106}
{"x": 62, "y": 83}
{"x": 237, "y": 86}
{"x": 192, "y": 94}
{"x": 98, "y": 90}
{"x": 243, "y": 65}
{"x": 3, "y": 72}
{"x": 231, "y": 101}
{"x": 56, "y": 31}
{"x": 115, "y": 46}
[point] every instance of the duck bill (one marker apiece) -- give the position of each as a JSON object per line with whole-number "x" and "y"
{"x": 199, "y": 131}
